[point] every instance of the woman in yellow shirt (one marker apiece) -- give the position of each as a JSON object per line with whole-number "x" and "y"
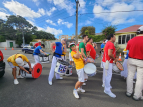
{"x": 18, "y": 60}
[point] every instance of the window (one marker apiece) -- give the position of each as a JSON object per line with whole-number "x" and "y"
{"x": 127, "y": 38}
{"x": 123, "y": 39}
{"x": 132, "y": 35}
{"x": 119, "y": 40}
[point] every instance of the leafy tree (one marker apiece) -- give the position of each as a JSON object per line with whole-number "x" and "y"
{"x": 89, "y": 29}
{"x": 108, "y": 30}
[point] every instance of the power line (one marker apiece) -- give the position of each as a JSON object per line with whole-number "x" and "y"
{"x": 111, "y": 12}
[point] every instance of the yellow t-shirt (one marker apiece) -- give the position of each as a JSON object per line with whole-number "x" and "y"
{"x": 64, "y": 53}
{"x": 78, "y": 62}
{"x": 12, "y": 59}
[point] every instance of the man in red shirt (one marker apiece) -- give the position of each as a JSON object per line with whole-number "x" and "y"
{"x": 37, "y": 44}
{"x": 90, "y": 49}
{"x": 109, "y": 55}
{"x": 135, "y": 62}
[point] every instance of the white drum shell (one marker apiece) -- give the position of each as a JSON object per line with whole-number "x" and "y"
{"x": 115, "y": 68}
{"x": 90, "y": 69}
{"x": 44, "y": 59}
{"x": 58, "y": 66}
{"x": 25, "y": 74}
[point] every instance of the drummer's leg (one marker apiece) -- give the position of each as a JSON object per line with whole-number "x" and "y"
{"x": 107, "y": 88}
{"x": 103, "y": 77}
{"x": 37, "y": 60}
{"x": 53, "y": 65}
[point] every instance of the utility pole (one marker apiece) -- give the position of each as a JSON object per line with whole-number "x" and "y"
{"x": 76, "y": 30}
{"x": 23, "y": 37}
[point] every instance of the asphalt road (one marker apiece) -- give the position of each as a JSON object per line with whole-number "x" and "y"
{"x": 38, "y": 93}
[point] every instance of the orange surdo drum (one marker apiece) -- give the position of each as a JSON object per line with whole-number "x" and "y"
{"x": 117, "y": 67}
{"x": 36, "y": 72}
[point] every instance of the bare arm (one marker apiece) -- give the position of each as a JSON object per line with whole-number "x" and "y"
{"x": 43, "y": 52}
{"x": 82, "y": 53}
{"x": 53, "y": 44}
{"x": 65, "y": 48}
{"x": 22, "y": 68}
{"x": 111, "y": 55}
{"x": 29, "y": 66}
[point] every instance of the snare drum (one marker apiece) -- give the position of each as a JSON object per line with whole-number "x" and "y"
{"x": 36, "y": 72}
{"x": 44, "y": 58}
{"x": 69, "y": 71}
{"x": 117, "y": 67}
{"x": 90, "y": 69}
{"x": 61, "y": 67}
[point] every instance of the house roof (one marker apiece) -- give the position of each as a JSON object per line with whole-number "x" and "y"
{"x": 133, "y": 28}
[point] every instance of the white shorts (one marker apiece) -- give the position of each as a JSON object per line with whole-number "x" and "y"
{"x": 70, "y": 58}
{"x": 11, "y": 65}
{"x": 81, "y": 75}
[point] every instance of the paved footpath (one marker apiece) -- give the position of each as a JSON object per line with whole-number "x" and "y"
{"x": 38, "y": 93}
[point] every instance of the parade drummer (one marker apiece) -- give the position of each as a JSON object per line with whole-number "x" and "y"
{"x": 135, "y": 63}
{"x": 37, "y": 44}
{"x": 18, "y": 60}
{"x": 37, "y": 52}
{"x": 57, "y": 55}
{"x": 90, "y": 49}
{"x": 79, "y": 63}
{"x": 108, "y": 57}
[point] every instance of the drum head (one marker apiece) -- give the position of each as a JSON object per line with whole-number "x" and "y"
{"x": 37, "y": 70}
{"x": 119, "y": 65}
{"x": 90, "y": 68}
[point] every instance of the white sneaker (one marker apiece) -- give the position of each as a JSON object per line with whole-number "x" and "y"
{"x": 81, "y": 90}
{"x": 60, "y": 78}
{"x": 110, "y": 94}
{"x": 19, "y": 76}
{"x": 75, "y": 93}
{"x": 103, "y": 85}
{"x": 84, "y": 83}
{"x": 16, "y": 81}
{"x": 50, "y": 82}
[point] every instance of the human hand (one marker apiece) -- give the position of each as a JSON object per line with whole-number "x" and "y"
{"x": 27, "y": 72}
{"x": 30, "y": 70}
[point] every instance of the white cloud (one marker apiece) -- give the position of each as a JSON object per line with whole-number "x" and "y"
{"x": 117, "y": 17}
{"x": 3, "y": 15}
{"x": 54, "y": 31}
{"x": 88, "y": 22}
{"x": 36, "y": 2}
{"x": 3, "y": 10}
{"x": 31, "y": 22}
{"x": 64, "y": 4}
{"x": 51, "y": 22}
{"x": 51, "y": 11}
{"x": 41, "y": 11}
{"x": 20, "y": 9}
{"x": 82, "y": 6}
{"x": 60, "y": 21}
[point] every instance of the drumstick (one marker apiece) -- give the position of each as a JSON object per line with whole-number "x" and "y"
{"x": 117, "y": 49}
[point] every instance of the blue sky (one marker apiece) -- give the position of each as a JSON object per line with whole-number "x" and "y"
{"x": 58, "y": 16}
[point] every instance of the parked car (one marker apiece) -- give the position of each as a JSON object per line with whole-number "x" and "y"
{"x": 28, "y": 49}
{"x": 25, "y": 45}
{"x": 2, "y": 65}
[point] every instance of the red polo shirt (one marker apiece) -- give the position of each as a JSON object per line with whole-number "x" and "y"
{"x": 135, "y": 47}
{"x": 109, "y": 45}
{"x": 90, "y": 48}
{"x": 37, "y": 44}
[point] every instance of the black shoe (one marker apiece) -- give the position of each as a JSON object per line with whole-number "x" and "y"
{"x": 128, "y": 94}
